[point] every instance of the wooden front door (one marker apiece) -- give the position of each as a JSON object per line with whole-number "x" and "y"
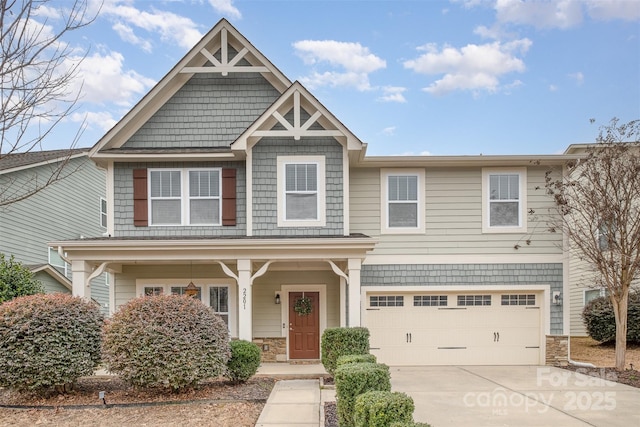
{"x": 304, "y": 331}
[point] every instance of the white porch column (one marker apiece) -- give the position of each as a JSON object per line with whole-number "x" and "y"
{"x": 354, "y": 266}
{"x": 245, "y": 318}
{"x": 343, "y": 302}
{"x": 80, "y": 281}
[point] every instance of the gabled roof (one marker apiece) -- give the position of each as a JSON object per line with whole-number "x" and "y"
{"x": 297, "y": 100}
{"x": 202, "y": 58}
{"x": 18, "y": 161}
{"x": 53, "y": 272}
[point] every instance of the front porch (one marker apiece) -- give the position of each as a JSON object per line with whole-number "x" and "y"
{"x": 252, "y": 283}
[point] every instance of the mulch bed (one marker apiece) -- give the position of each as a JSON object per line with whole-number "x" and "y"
{"x": 629, "y": 377}
{"x": 330, "y": 414}
{"x": 86, "y": 392}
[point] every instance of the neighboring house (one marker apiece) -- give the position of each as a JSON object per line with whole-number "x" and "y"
{"x": 229, "y": 176}
{"x": 583, "y": 279}
{"x": 70, "y": 208}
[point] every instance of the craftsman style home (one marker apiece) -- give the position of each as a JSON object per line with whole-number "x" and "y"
{"x": 232, "y": 179}
{"x": 68, "y": 203}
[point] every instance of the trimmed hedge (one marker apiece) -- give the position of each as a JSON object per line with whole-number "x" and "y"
{"x": 600, "y": 322}
{"x": 338, "y": 342}
{"x": 354, "y": 379}
{"x": 48, "y": 341}
{"x": 408, "y": 424}
{"x": 244, "y": 361}
{"x": 380, "y": 408}
{"x": 166, "y": 341}
{"x": 355, "y": 358}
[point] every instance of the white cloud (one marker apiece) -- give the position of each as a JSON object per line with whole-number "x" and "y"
{"x": 104, "y": 80}
{"x": 472, "y": 67}
{"x": 171, "y": 27}
{"x": 540, "y": 14}
{"x": 553, "y": 88}
{"x": 393, "y": 94}
{"x": 126, "y": 33}
{"x": 627, "y": 10}
{"x": 389, "y": 131}
{"x": 226, "y": 7}
{"x": 354, "y": 61}
{"x": 101, "y": 120}
{"x": 577, "y": 77}
{"x": 413, "y": 153}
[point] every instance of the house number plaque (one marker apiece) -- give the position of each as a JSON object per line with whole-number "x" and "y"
{"x": 244, "y": 298}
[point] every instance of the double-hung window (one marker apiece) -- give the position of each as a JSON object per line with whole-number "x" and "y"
{"x": 402, "y": 201}
{"x": 185, "y": 196}
{"x": 301, "y": 191}
{"x": 504, "y": 200}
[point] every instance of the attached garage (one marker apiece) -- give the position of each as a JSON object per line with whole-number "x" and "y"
{"x": 456, "y": 328}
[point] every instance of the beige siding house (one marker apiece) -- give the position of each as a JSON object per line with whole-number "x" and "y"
{"x": 230, "y": 178}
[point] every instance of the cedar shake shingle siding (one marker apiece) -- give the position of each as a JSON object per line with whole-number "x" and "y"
{"x": 208, "y": 111}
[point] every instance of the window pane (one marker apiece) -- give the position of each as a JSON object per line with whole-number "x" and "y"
{"x": 302, "y": 206}
{"x": 204, "y": 211}
{"x": 504, "y": 187}
{"x": 290, "y": 177}
{"x": 165, "y": 183}
{"x": 590, "y": 295}
{"x": 204, "y": 183}
{"x": 503, "y": 214}
{"x": 165, "y": 211}
{"x": 403, "y": 188}
{"x": 403, "y": 215}
{"x": 219, "y": 299}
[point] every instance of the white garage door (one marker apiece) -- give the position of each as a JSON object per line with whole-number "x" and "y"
{"x": 455, "y": 328}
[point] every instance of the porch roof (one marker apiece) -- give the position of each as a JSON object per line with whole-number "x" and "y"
{"x": 183, "y": 248}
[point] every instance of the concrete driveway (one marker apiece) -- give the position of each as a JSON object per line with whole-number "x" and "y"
{"x": 515, "y": 396}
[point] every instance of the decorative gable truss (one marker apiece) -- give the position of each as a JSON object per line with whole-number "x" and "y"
{"x": 225, "y": 65}
{"x": 222, "y": 50}
{"x": 297, "y": 114}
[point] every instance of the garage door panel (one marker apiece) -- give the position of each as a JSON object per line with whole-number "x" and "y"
{"x": 453, "y": 335}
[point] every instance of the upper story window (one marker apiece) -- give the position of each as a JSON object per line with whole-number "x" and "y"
{"x": 185, "y": 196}
{"x": 103, "y": 212}
{"x": 402, "y": 198}
{"x": 301, "y": 191}
{"x": 504, "y": 198}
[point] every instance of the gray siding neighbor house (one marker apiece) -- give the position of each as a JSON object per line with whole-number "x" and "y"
{"x": 230, "y": 178}
{"x": 70, "y": 208}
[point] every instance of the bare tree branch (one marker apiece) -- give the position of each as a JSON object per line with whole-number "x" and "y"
{"x": 597, "y": 204}
{"x": 38, "y": 70}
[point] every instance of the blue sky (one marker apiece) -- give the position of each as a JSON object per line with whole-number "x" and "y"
{"x": 407, "y": 77}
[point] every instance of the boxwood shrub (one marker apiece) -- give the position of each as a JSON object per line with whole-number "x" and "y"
{"x": 408, "y": 424}
{"x": 354, "y": 379}
{"x": 244, "y": 361}
{"x": 338, "y": 342}
{"x": 48, "y": 341}
{"x": 355, "y": 358}
{"x": 380, "y": 408}
{"x": 600, "y": 322}
{"x": 168, "y": 341}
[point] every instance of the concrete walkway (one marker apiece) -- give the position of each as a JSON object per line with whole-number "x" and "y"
{"x": 296, "y": 400}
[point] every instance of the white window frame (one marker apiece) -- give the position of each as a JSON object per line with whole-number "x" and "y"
{"x": 522, "y": 201}
{"x": 384, "y": 199}
{"x": 185, "y": 196}
{"x": 321, "y": 219}
{"x": 602, "y": 292}
{"x": 202, "y": 283}
{"x": 66, "y": 267}
{"x": 103, "y": 213}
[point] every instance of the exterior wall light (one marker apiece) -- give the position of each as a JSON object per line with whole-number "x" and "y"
{"x": 277, "y": 298}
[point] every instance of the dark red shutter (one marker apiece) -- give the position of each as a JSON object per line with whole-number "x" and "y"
{"x": 140, "y": 203}
{"x": 228, "y": 197}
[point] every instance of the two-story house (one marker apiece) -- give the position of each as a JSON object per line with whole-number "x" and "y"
{"x": 72, "y": 206}
{"x": 231, "y": 179}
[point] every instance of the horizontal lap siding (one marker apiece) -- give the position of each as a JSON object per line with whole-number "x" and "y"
{"x": 453, "y": 216}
